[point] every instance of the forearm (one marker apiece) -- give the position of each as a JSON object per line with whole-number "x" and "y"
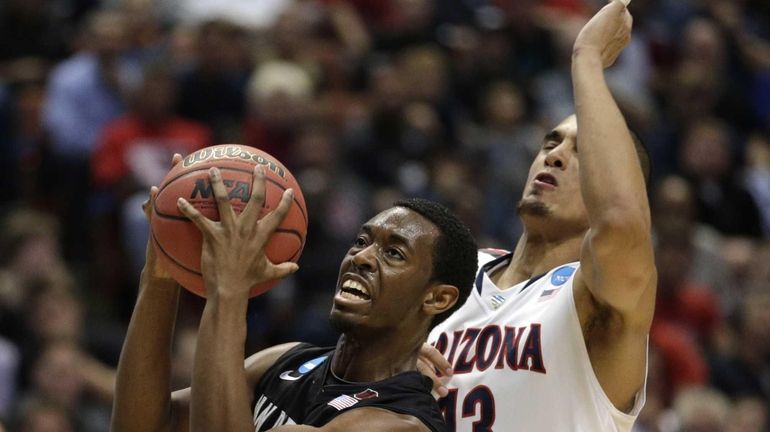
{"x": 611, "y": 179}
{"x": 143, "y": 385}
{"x": 220, "y": 394}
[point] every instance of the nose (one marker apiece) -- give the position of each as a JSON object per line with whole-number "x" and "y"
{"x": 557, "y": 158}
{"x": 365, "y": 258}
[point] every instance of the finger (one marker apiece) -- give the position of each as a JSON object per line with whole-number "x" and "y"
{"x": 148, "y": 205}
{"x": 175, "y": 159}
{"x": 439, "y": 389}
{"x": 272, "y": 220}
{"x": 257, "y": 198}
{"x": 436, "y": 359}
{"x": 190, "y": 212}
{"x": 226, "y": 213}
{"x": 280, "y": 271}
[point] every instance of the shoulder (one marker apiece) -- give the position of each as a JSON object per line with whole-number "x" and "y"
{"x": 257, "y": 364}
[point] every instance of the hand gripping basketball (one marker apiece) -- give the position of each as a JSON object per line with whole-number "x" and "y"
{"x": 178, "y": 242}
{"x": 233, "y": 256}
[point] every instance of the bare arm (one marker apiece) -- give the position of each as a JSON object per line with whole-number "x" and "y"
{"x": 617, "y": 261}
{"x": 369, "y": 419}
{"x": 232, "y": 261}
{"x": 617, "y": 273}
{"x": 143, "y": 386}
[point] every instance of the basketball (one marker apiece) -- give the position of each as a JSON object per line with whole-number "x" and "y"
{"x": 178, "y": 241}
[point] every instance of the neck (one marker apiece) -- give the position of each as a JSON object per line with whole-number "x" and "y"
{"x": 363, "y": 358}
{"x": 537, "y": 254}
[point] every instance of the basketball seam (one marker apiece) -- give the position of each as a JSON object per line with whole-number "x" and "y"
{"x": 280, "y": 230}
{"x": 176, "y": 261}
{"x": 299, "y": 206}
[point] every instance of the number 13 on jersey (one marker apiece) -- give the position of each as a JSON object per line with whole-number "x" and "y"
{"x": 479, "y": 403}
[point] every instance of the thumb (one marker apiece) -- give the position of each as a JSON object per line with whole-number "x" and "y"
{"x": 280, "y": 271}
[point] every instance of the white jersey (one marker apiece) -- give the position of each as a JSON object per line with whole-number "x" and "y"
{"x": 520, "y": 362}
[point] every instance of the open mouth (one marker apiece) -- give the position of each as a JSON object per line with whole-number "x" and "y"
{"x": 547, "y": 179}
{"x": 354, "y": 290}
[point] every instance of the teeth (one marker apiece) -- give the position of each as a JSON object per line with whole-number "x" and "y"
{"x": 355, "y": 285}
{"x": 348, "y": 295}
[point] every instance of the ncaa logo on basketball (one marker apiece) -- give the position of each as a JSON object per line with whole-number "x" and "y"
{"x": 306, "y": 367}
{"x": 562, "y": 275}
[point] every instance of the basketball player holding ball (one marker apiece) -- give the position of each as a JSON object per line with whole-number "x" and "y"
{"x": 408, "y": 269}
{"x": 554, "y": 336}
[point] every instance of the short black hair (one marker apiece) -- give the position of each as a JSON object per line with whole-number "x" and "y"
{"x": 455, "y": 253}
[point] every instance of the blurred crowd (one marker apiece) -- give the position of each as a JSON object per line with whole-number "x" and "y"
{"x": 367, "y": 101}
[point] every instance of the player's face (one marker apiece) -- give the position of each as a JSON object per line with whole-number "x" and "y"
{"x": 553, "y": 185}
{"x": 385, "y": 274}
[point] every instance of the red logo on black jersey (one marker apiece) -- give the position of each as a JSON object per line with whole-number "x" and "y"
{"x": 366, "y": 394}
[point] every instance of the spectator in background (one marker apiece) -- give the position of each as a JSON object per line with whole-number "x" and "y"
{"x": 702, "y": 409}
{"x": 29, "y": 256}
{"x": 748, "y": 415}
{"x": 38, "y": 416}
{"x": 506, "y": 140}
{"x": 758, "y": 175}
{"x": 673, "y": 204}
{"x": 213, "y": 91}
{"x": 133, "y": 153}
{"x": 34, "y": 28}
{"x": 60, "y": 378}
{"x": 280, "y": 98}
{"x": 707, "y": 160}
{"x": 84, "y": 93}
{"x": 745, "y": 369}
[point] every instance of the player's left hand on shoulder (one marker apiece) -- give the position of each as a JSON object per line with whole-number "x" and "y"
{"x": 429, "y": 362}
{"x": 606, "y": 33}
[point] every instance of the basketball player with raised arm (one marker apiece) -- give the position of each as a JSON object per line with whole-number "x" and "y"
{"x": 409, "y": 268}
{"x": 554, "y": 335}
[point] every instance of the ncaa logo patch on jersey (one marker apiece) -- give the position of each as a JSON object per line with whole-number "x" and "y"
{"x": 559, "y": 277}
{"x": 306, "y": 367}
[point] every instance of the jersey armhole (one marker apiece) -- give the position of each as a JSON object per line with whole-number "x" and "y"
{"x": 640, "y": 397}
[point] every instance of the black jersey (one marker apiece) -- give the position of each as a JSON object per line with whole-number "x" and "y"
{"x": 301, "y": 389}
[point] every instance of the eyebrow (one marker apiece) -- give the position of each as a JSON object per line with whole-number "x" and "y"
{"x": 553, "y": 135}
{"x": 556, "y": 135}
{"x": 398, "y": 238}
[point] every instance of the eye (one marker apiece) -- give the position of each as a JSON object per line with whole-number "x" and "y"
{"x": 360, "y": 241}
{"x": 394, "y": 253}
{"x": 550, "y": 145}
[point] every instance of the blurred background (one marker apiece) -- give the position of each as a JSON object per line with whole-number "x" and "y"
{"x": 367, "y": 101}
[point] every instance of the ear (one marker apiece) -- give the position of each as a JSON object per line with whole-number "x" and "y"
{"x": 440, "y": 298}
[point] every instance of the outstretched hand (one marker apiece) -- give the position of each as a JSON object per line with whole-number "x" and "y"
{"x": 233, "y": 258}
{"x": 606, "y": 34}
{"x": 152, "y": 266}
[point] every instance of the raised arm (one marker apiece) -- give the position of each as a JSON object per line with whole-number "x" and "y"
{"x": 617, "y": 277}
{"x": 143, "y": 387}
{"x": 232, "y": 261}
